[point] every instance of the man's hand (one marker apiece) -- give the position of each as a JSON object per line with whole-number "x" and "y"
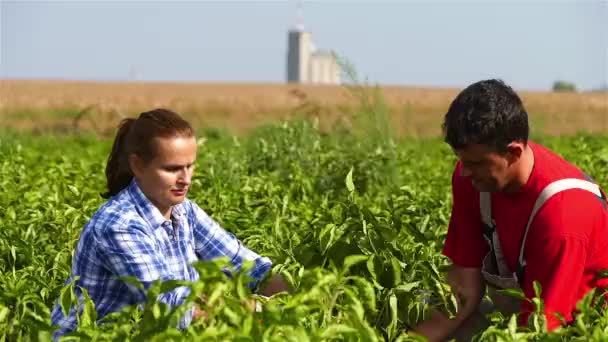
{"x": 468, "y": 285}
{"x": 437, "y": 328}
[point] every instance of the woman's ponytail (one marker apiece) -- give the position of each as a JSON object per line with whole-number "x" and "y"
{"x": 118, "y": 172}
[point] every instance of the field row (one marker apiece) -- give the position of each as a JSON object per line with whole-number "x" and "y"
{"x": 354, "y": 220}
{"x": 65, "y": 106}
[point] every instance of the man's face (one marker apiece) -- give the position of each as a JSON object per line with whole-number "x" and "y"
{"x": 488, "y": 170}
{"x": 166, "y": 178}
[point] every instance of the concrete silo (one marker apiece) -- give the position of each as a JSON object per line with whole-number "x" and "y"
{"x": 298, "y": 56}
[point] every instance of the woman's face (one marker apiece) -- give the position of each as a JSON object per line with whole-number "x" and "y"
{"x": 166, "y": 178}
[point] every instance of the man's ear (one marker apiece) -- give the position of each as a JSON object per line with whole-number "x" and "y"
{"x": 515, "y": 151}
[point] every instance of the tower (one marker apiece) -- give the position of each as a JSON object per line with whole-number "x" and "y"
{"x": 298, "y": 56}
{"x": 306, "y": 64}
{"x": 298, "y": 50}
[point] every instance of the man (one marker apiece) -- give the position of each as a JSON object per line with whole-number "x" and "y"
{"x": 520, "y": 214}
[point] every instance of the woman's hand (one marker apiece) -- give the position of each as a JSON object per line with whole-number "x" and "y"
{"x": 199, "y": 314}
{"x": 274, "y": 285}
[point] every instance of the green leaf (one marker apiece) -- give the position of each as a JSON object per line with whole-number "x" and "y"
{"x": 396, "y": 265}
{"x": 336, "y": 331}
{"x": 352, "y": 260}
{"x": 14, "y": 253}
{"x": 418, "y": 236}
{"x": 327, "y": 237}
{"x": 350, "y": 186}
{"x": 537, "y": 288}
{"x": 392, "y": 327}
{"x": 88, "y": 317}
{"x": 512, "y": 325}
{"x": 408, "y": 287}
{"x": 10, "y": 212}
{"x": 4, "y": 311}
{"x": 560, "y": 317}
{"x": 44, "y": 336}
{"x": 65, "y": 300}
{"x": 516, "y": 293}
{"x": 371, "y": 267}
{"x": 172, "y": 284}
{"x": 217, "y": 293}
{"x": 156, "y": 311}
{"x": 367, "y": 290}
{"x": 74, "y": 190}
{"x": 132, "y": 280}
{"x": 232, "y": 316}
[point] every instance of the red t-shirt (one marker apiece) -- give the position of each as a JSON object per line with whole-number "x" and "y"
{"x": 567, "y": 243}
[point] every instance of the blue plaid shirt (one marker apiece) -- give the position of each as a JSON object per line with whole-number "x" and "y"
{"x": 128, "y": 236}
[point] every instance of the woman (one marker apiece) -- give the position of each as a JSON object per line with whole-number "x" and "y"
{"x": 148, "y": 228}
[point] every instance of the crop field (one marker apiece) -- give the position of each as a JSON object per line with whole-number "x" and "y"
{"x": 354, "y": 219}
{"x": 60, "y": 106}
{"x": 346, "y": 190}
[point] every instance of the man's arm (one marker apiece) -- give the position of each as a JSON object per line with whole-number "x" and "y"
{"x": 468, "y": 286}
{"x": 466, "y": 248}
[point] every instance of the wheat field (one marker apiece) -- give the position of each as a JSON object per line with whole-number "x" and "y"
{"x": 64, "y": 105}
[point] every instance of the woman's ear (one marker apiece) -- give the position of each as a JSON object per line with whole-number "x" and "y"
{"x": 135, "y": 163}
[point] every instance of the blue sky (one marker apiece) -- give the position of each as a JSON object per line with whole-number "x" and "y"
{"x": 529, "y": 44}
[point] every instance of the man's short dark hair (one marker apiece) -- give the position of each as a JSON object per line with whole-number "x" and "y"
{"x": 487, "y": 112}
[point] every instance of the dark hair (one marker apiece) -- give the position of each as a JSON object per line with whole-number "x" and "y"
{"x": 136, "y": 136}
{"x": 487, "y": 112}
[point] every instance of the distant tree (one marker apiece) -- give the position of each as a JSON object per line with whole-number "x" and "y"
{"x": 564, "y": 86}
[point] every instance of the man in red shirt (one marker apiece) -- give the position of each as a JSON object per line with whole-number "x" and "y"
{"x": 520, "y": 214}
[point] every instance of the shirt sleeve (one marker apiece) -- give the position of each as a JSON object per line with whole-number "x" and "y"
{"x": 212, "y": 241}
{"x": 127, "y": 249}
{"x": 465, "y": 244}
{"x": 555, "y": 257}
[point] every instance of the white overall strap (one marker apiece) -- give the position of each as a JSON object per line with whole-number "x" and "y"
{"x": 548, "y": 192}
{"x": 490, "y": 234}
{"x": 485, "y": 206}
